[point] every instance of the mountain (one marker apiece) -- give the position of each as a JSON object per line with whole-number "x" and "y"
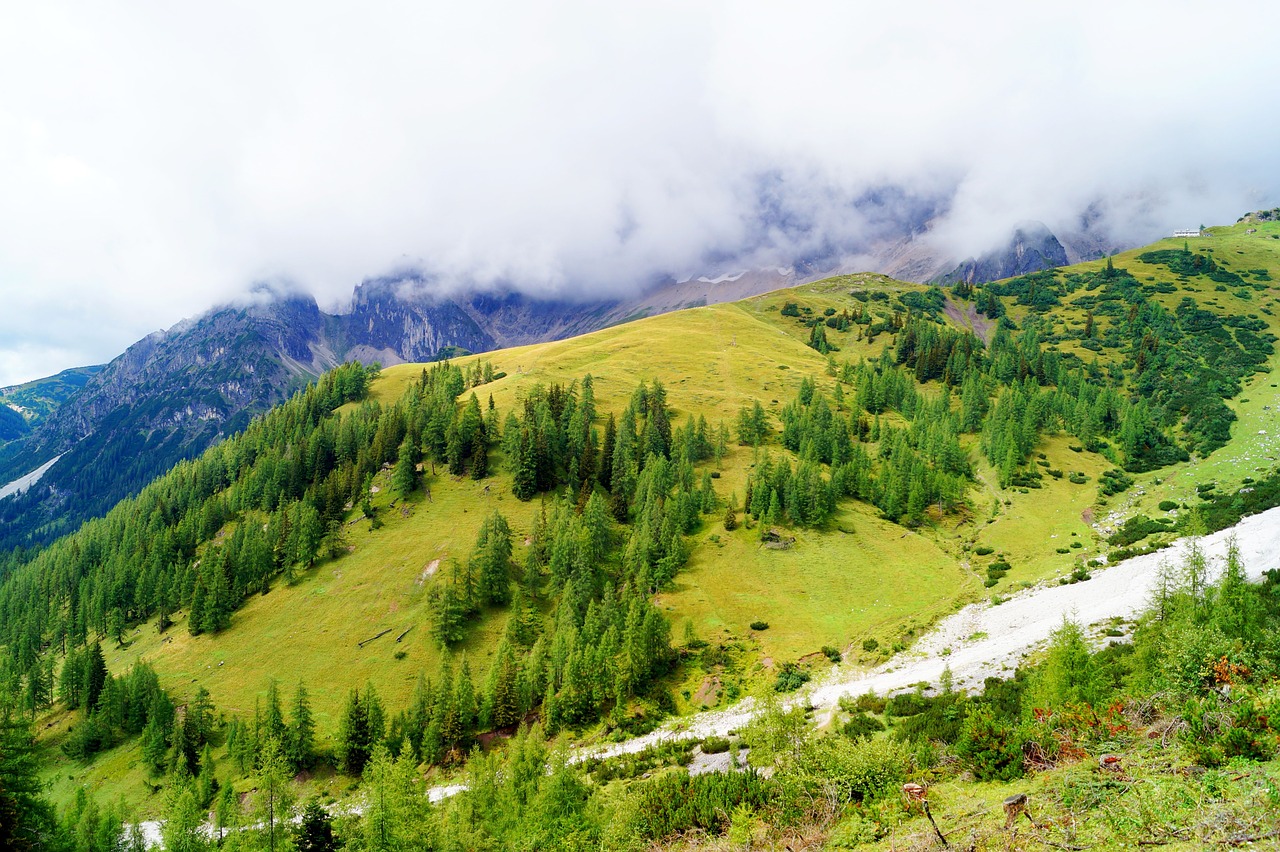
{"x": 176, "y": 392}
{"x": 167, "y": 398}
{"x": 738, "y": 496}
{"x": 23, "y": 407}
{"x": 1031, "y": 248}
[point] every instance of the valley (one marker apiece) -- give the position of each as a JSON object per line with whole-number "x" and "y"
{"x": 835, "y": 483}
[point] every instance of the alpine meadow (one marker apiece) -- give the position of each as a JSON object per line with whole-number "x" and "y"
{"x": 433, "y": 606}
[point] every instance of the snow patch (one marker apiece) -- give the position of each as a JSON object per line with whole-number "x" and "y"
{"x": 722, "y": 279}
{"x": 23, "y": 483}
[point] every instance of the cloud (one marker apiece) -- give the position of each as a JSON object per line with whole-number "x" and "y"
{"x": 158, "y": 158}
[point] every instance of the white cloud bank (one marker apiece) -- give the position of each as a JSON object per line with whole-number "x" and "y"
{"x": 156, "y": 157}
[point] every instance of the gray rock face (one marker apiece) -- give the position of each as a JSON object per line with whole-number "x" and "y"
{"x": 1031, "y": 248}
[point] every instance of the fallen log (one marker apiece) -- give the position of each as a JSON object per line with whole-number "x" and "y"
{"x": 371, "y": 638}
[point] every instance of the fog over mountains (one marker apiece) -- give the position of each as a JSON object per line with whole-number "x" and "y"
{"x": 174, "y": 393}
{"x": 159, "y": 160}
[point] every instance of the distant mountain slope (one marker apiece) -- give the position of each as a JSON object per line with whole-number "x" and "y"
{"x": 25, "y": 406}
{"x": 1031, "y": 248}
{"x": 168, "y": 397}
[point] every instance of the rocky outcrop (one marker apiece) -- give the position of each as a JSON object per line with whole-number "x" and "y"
{"x": 1031, "y": 248}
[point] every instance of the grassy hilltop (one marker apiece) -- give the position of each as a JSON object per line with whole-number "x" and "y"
{"x": 861, "y": 583}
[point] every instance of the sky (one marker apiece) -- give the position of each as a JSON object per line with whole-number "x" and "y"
{"x": 158, "y": 158}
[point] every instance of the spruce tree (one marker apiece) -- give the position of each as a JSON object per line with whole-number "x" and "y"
{"x": 353, "y": 736}
{"x": 502, "y": 705}
{"x": 404, "y": 477}
{"x": 315, "y": 830}
{"x": 226, "y": 813}
{"x": 479, "y": 455}
{"x": 95, "y": 676}
{"x": 301, "y": 733}
{"x": 196, "y": 616}
{"x": 275, "y": 798}
{"x": 206, "y": 781}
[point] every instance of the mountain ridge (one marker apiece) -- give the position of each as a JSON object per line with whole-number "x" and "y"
{"x": 177, "y": 391}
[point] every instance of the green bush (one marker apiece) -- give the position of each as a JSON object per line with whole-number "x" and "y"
{"x": 938, "y": 721}
{"x": 1114, "y": 481}
{"x": 790, "y": 678}
{"x": 1214, "y": 734}
{"x": 861, "y": 725}
{"x": 715, "y": 745}
{"x": 867, "y": 702}
{"x": 870, "y": 644}
{"x": 675, "y": 802}
{"x": 759, "y": 625}
{"x": 989, "y": 747}
{"x": 860, "y": 770}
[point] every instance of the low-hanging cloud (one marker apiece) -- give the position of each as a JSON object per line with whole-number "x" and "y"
{"x": 158, "y": 158}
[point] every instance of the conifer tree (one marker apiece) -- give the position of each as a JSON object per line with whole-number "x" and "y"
{"x": 502, "y": 705}
{"x": 404, "y": 477}
{"x": 226, "y": 813}
{"x": 95, "y": 676}
{"x": 301, "y": 733}
{"x": 206, "y": 781}
{"x": 492, "y": 556}
{"x": 181, "y": 829}
{"x": 315, "y": 830}
{"x": 479, "y": 455}
{"x": 308, "y": 532}
{"x": 196, "y": 615}
{"x": 353, "y": 736}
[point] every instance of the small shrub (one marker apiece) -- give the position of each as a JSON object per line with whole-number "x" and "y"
{"x": 870, "y": 644}
{"x": 984, "y": 551}
{"x": 861, "y": 725}
{"x": 867, "y": 702}
{"x": 759, "y": 625}
{"x": 790, "y": 678}
{"x": 673, "y": 802}
{"x": 861, "y": 770}
{"x": 990, "y": 747}
{"x": 832, "y": 654}
{"x": 715, "y": 745}
{"x": 1114, "y": 481}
